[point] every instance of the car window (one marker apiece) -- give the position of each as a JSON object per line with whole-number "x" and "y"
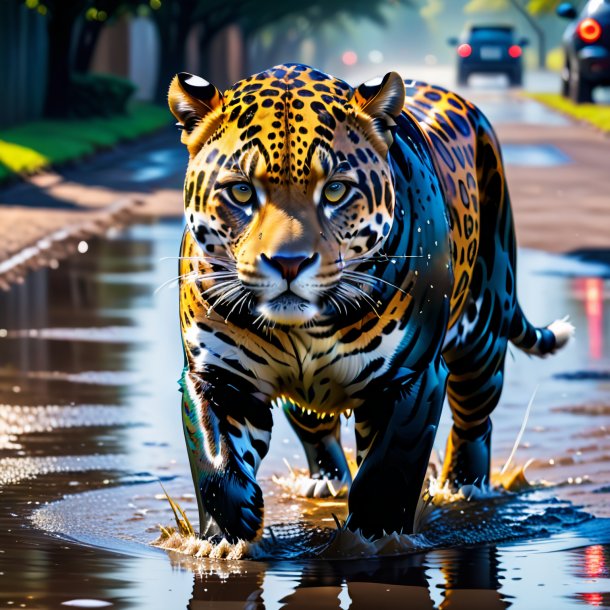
{"x": 491, "y": 35}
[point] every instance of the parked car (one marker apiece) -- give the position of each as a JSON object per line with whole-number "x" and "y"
{"x": 586, "y": 43}
{"x": 489, "y": 49}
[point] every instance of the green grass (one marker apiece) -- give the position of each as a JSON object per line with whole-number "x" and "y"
{"x": 594, "y": 114}
{"x": 31, "y": 147}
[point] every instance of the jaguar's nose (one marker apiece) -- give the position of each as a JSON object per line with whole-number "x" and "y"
{"x": 289, "y": 267}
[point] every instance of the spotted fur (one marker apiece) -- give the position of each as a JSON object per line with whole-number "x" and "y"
{"x": 373, "y": 303}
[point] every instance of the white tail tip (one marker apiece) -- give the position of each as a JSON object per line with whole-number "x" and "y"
{"x": 563, "y": 331}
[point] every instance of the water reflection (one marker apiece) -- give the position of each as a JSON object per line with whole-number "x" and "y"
{"x": 591, "y": 291}
{"x": 106, "y": 352}
{"x": 470, "y": 580}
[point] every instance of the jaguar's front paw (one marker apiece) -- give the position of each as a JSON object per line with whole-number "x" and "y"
{"x": 236, "y": 504}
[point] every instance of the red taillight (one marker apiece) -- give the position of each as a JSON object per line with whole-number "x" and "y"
{"x": 464, "y": 50}
{"x": 515, "y": 51}
{"x": 589, "y": 30}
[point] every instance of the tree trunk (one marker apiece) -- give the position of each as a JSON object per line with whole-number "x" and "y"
{"x": 173, "y": 26}
{"x": 60, "y": 27}
{"x": 85, "y": 45}
{"x": 171, "y": 61}
{"x": 537, "y": 30}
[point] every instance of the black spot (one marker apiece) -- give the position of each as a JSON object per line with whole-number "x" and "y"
{"x": 252, "y": 87}
{"x": 317, "y": 75}
{"x": 455, "y": 103}
{"x": 376, "y": 186}
{"x": 323, "y": 115}
{"x": 249, "y": 459}
{"x": 246, "y": 118}
{"x": 339, "y": 114}
{"x": 226, "y": 339}
{"x": 250, "y": 132}
{"x": 460, "y": 123}
{"x": 298, "y": 104}
{"x": 269, "y": 93}
{"x": 389, "y": 327}
{"x": 442, "y": 151}
{"x": 325, "y": 133}
{"x": 464, "y": 194}
{"x": 432, "y": 95}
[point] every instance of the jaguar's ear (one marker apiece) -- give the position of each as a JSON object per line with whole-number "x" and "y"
{"x": 378, "y": 102}
{"x": 192, "y": 100}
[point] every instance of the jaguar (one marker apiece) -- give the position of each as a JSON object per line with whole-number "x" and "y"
{"x": 346, "y": 251}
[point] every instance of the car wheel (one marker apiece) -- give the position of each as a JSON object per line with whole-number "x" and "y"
{"x": 565, "y": 80}
{"x": 515, "y": 78}
{"x": 581, "y": 90}
{"x": 462, "y": 78}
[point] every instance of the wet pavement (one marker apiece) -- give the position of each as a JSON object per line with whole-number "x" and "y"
{"x": 90, "y": 427}
{"x": 90, "y": 418}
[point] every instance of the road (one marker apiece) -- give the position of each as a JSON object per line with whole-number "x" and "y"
{"x": 89, "y": 417}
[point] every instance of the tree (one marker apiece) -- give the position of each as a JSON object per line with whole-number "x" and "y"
{"x": 64, "y": 17}
{"x": 91, "y": 25}
{"x": 61, "y": 19}
{"x": 176, "y": 19}
{"x": 287, "y": 36}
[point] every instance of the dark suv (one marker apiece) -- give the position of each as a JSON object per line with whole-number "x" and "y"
{"x": 586, "y": 43}
{"x": 489, "y": 49}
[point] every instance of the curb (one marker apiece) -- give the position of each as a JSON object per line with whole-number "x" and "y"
{"x": 58, "y": 245}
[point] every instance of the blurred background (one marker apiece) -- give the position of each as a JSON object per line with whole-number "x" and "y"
{"x": 54, "y": 52}
{"x": 91, "y": 177}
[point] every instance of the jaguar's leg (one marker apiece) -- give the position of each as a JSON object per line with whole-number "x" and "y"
{"x": 395, "y": 433}
{"x": 475, "y": 355}
{"x": 227, "y": 435}
{"x": 321, "y": 440}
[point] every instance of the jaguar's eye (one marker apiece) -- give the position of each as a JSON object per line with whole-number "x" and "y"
{"x": 334, "y": 192}
{"x": 242, "y": 193}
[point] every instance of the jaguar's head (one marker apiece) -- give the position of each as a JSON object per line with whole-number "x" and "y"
{"x": 289, "y": 180}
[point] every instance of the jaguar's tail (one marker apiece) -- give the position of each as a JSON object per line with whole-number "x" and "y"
{"x": 539, "y": 341}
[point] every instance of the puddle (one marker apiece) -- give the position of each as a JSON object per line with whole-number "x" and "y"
{"x": 90, "y": 422}
{"x": 534, "y": 155}
{"x": 155, "y": 165}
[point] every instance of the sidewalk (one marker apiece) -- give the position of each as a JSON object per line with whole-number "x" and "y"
{"x": 44, "y": 218}
{"x": 559, "y": 208}
{"x": 563, "y": 207}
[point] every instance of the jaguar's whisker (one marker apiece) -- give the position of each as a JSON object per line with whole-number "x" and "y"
{"x": 237, "y": 302}
{"x": 175, "y": 279}
{"x": 366, "y": 296}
